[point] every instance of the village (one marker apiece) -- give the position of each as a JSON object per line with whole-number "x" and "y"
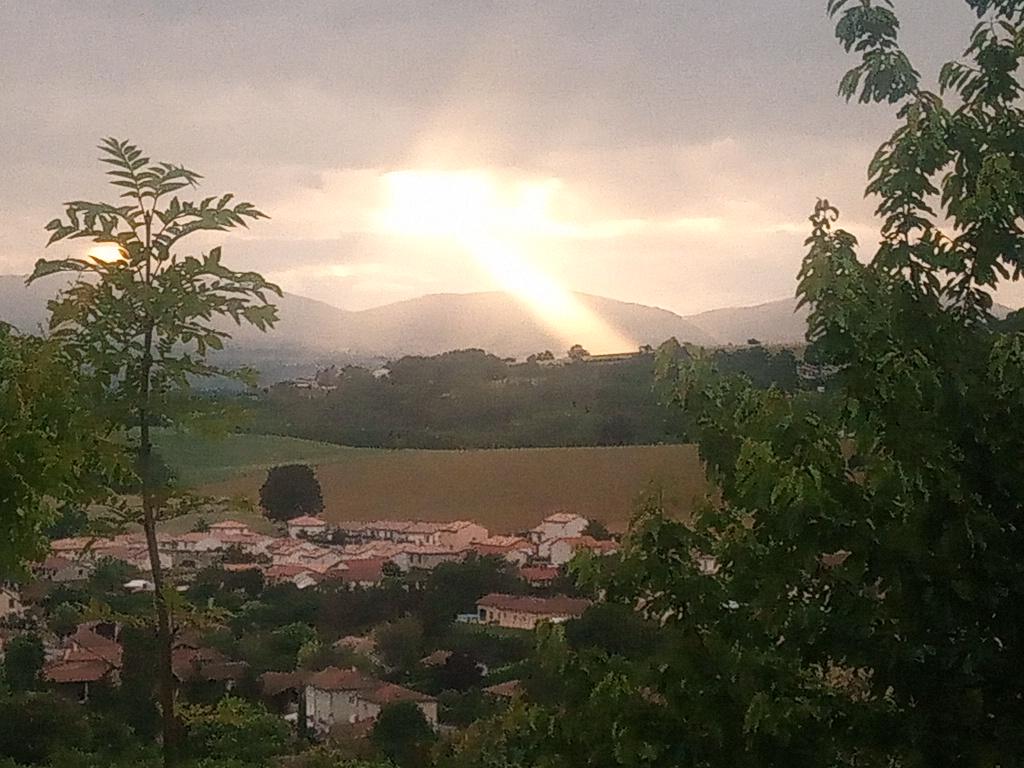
{"x": 308, "y": 554}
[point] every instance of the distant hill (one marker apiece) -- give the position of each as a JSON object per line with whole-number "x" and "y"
{"x": 775, "y": 322}
{"x": 427, "y": 325}
{"x": 437, "y": 323}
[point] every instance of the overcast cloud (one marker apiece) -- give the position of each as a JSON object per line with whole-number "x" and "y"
{"x": 685, "y": 140}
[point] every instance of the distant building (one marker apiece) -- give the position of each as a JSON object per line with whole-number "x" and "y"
{"x": 540, "y": 575}
{"x": 560, "y": 525}
{"x": 92, "y": 656}
{"x": 561, "y": 551}
{"x": 63, "y": 570}
{"x": 514, "y": 549}
{"x": 10, "y": 601}
{"x": 519, "y": 612}
{"x": 336, "y": 696}
{"x": 306, "y": 526}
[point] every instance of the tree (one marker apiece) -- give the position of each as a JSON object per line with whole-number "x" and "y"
{"x": 23, "y": 661}
{"x": 403, "y": 734}
{"x": 577, "y": 352}
{"x": 53, "y": 447}
{"x": 291, "y": 490}
{"x": 400, "y": 643}
{"x": 35, "y": 726}
{"x": 235, "y": 729}
{"x": 454, "y": 588}
{"x": 64, "y": 618}
{"x": 597, "y": 530}
{"x": 866, "y": 606}
{"x": 140, "y": 319}
{"x": 459, "y": 672}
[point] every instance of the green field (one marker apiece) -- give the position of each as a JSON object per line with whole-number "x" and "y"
{"x": 198, "y": 460}
{"x": 506, "y": 490}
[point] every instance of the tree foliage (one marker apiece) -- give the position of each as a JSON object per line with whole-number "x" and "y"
{"x": 867, "y": 604}
{"x": 54, "y": 452}
{"x": 140, "y": 317}
{"x": 234, "y": 729}
{"x": 403, "y": 734}
{"x": 291, "y": 490}
{"x": 23, "y": 661}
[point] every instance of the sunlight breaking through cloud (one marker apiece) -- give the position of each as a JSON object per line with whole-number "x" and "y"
{"x": 494, "y": 225}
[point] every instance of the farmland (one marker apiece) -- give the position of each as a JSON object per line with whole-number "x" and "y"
{"x": 506, "y": 489}
{"x": 198, "y": 460}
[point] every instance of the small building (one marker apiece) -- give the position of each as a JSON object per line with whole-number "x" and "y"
{"x": 519, "y": 612}
{"x": 336, "y": 696}
{"x": 63, "y": 570}
{"x": 306, "y": 526}
{"x": 282, "y": 691}
{"x": 561, "y": 551}
{"x": 459, "y": 534}
{"x": 560, "y": 525}
{"x": 206, "y": 666}
{"x": 540, "y": 575}
{"x": 10, "y": 601}
{"x": 363, "y": 572}
{"x": 229, "y": 528}
{"x": 425, "y": 557}
{"x": 508, "y": 690}
{"x": 514, "y": 549}
{"x": 92, "y": 656}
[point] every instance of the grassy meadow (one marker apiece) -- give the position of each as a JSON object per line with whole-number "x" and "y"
{"x": 506, "y": 489}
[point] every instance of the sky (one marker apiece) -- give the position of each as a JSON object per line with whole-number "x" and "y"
{"x": 666, "y": 152}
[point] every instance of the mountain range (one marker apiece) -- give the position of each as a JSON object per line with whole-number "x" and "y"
{"x": 437, "y": 323}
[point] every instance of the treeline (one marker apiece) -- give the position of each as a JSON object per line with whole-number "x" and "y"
{"x": 472, "y": 399}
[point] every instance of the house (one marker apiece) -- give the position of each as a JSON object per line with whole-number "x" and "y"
{"x": 205, "y": 665}
{"x": 282, "y": 690}
{"x": 336, "y": 696}
{"x": 373, "y": 700}
{"x": 306, "y": 526}
{"x": 519, "y": 612}
{"x": 299, "y": 575}
{"x": 540, "y": 575}
{"x": 424, "y": 557}
{"x": 10, "y": 601}
{"x": 436, "y": 659}
{"x": 63, "y": 570}
{"x": 92, "y": 656}
{"x": 364, "y": 572}
{"x": 561, "y": 551}
{"x": 508, "y": 690}
{"x": 514, "y": 549}
{"x": 459, "y": 534}
{"x": 229, "y": 528}
{"x": 560, "y": 525}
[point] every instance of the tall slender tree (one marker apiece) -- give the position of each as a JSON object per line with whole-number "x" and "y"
{"x": 141, "y": 315}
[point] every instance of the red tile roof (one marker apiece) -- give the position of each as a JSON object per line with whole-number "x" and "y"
{"x": 388, "y": 693}
{"x": 273, "y": 683}
{"x": 507, "y": 690}
{"x": 537, "y": 606}
{"x": 86, "y": 644}
{"x": 370, "y": 569}
{"x": 335, "y": 679}
{"x": 307, "y": 521}
{"x": 536, "y": 573}
{"x": 82, "y": 671}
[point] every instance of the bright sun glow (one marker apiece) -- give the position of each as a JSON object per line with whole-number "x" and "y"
{"x": 492, "y": 224}
{"x": 108, "y": 253}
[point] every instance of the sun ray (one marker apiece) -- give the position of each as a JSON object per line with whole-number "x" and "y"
{"x": 467, "y": 209}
